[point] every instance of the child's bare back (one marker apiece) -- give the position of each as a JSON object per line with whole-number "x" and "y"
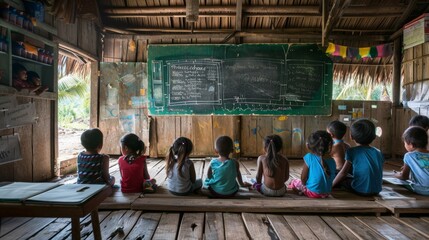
{"x": 281, "y": 175}
{"x": 338, "y": 153}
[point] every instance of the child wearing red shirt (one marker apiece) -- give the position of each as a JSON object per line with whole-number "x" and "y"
{"x": 132, "y": 166}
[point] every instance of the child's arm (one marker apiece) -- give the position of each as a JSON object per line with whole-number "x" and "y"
{"x": 209, "y": 172}
{"x": 259, "y": 171}
{"x": 239, "y": 178}
{"x": 304, "y": 174}
{"x": 338, "y": 156}
{"x": 192, "y": 172}
{"x": 404, "y": 174}
{"x": 146, "y": 171}
{"x": 106, "y": 175}
{"x": 286, "y": 170}
{"x": 342, "y": 174}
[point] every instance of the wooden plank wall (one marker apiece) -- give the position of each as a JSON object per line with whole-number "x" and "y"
{"x": 248, "y": 130}
{"x": 36, "y": 146}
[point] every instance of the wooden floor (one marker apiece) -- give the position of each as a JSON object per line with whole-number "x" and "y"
{"x": 403, "y": 215}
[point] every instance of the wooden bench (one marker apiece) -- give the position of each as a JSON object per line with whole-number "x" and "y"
{"x": 413, "y": 206}
{"x": 258, "y": 205}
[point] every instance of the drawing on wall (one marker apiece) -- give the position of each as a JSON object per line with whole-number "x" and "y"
{"x": 127, "y": 120}
{"x": 122, "y": 86}
{"x": 10, "y": 150}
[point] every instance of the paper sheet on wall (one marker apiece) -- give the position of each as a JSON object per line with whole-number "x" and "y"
{"x": 10, "y": 150}
{"x": 22, "y": 114}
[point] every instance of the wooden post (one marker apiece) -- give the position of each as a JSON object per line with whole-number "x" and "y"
{"x": 396, "y": 72}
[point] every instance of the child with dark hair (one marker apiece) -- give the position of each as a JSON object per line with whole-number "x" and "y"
{"x": 34, "y": 78}
{"x": 93, "y": 167}
{"x": 20, "y": 78}
{"x": 419, "y": 121}
{"x": 366, "y": 161}
{"x": 133, "y": 167}
{"x": 318, "y": 170}
{"x": 223, "y": 171}
{"x": 337, "y": 130}
{"x": 273, "y": 167}
{"x": 416, "y": 160}
{"x": 181, "y": 176}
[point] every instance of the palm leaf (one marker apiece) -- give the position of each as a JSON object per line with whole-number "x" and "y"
{"x": 72, "y": 86}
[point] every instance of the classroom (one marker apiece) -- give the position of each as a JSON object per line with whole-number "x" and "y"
{"x": 178, "y": 75}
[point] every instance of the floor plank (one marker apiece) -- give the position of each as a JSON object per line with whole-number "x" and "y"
{"x": 110, "y": 224}
{"x": 128, "y": 221}
{"x": 339, "y": 228}
{"x": 167, "y": 227}
{"x": 192, "y": 226}
{"x": 416, "y": 224}
{"x": 302, "y": 231}
{"x": 403, "y": 228}
{"x": 145, "y": 226}
{"x": 213, "y": 229}
{"x": 258, "y": 226}
{"x": 234, "y": 227}
{"x": 358, "y": 228}
{"x": 281, "y": 227}
{"x": 29, "y": 228}
{"x": 9, "y": 224}
{"x": 319, "y": 227}
{"x": 52, "y": 229}
{"x": 382, "y": 227}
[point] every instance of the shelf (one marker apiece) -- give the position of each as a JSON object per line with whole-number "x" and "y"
{"x": 30, "y": 60}
{"x": 5, "y": 90}
{"x": 25, "y": 32}
{"x": 3, "y": 53}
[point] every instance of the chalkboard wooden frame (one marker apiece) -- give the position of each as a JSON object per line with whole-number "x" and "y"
{"x": 265, "y": 79}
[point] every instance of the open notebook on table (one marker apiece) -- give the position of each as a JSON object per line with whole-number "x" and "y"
{"x": 20, "y": 191}
{"x": 67, "y": 194}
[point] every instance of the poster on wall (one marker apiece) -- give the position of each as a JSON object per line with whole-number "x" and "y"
{"x": 22, "y": 114}
{"x": 123, "y": 86}
{"x": 7, "y": 102}
{"x": 10, "y": 150}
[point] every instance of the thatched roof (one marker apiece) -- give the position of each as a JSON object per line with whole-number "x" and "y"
{"x": 355, "y": 23}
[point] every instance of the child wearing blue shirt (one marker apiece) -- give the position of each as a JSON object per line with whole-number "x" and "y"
{"x": 318, "y": 172}
{"x": 416, "y": 160}
{"x": 367, "y": 161}
{"x": 223, "y": 171}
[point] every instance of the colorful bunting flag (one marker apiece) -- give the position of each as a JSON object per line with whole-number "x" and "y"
{"x": 383, "y": 50}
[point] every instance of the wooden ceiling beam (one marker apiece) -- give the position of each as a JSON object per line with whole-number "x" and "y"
{"x": 334, "y": 15}
{"x": 401, "y": 21}
{"x": 221, "y": 36}
{"x": 252, "y": 11}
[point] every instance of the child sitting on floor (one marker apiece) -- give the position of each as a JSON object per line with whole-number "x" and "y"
{"x": 318, "y": 171}
{"x": 273, "y": 167}
{"x": 416, "y": 160}
{"x": 367, "y": 161}
{"x": 93, "y": 167}
{"x": 223, "y": 171}
{"x": 133, "y": 167}
{"x": 337, "y": 130}
{"x": 181, "y": 177}
{"x": 419, "y": 121}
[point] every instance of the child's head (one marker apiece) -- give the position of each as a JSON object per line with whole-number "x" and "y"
{"x": 419, "y": 121}
{"x": 320, "y": 142}
{"x": 415, "y": 137}
{"x": 131, "y": 144}
{"x": 272, "y": 145}
{"x": 363, "y": 131}
{"x": 337, "y": 129}
{"x": 179, "y": 151}
{"x": 33, "y": 78}
{"x": 224, "y": 146}
{"x": 92, "y": 139}
{"x": 182, "y": 147}
{"x": 19, "y": 72}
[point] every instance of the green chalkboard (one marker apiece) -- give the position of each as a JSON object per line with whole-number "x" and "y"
{"x": 268, "y": 79}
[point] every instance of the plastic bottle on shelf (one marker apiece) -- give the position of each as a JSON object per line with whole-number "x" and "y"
{"x": 40, "y": 55}
{"x": 46, "y": 60}
{"x": 20, "y": 19}
{"x": 12, "y": 15}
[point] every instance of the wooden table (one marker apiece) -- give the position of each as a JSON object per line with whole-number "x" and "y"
{"x": 61, "y": 210}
